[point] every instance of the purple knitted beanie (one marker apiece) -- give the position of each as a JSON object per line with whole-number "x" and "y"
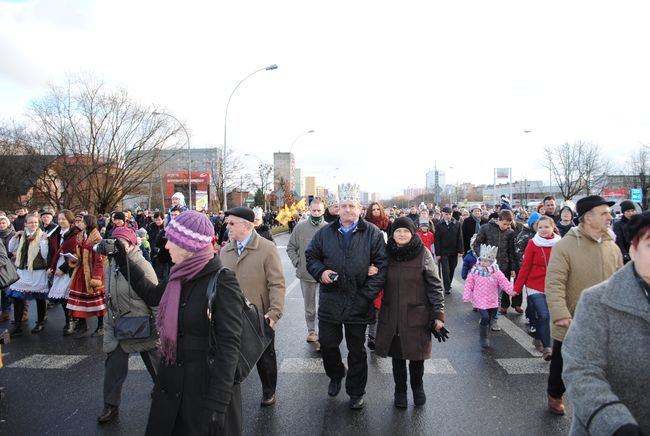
{"x": 191, "y": 230}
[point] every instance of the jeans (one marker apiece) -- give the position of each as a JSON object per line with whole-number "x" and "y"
{"x": 537, "y": 302}
{"x": 555, "y": 386}
{"x": 487, "y": 315}
{"x": 331, "y": 335}
{"x": 309, "y": 296}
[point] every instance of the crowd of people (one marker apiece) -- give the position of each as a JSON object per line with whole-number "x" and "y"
{"x": 376, "y": 276}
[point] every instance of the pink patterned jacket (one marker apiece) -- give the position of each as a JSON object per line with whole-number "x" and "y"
{"x": 483, "y": 284}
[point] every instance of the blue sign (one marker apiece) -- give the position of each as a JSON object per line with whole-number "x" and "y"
{"x": 637, "y": 195}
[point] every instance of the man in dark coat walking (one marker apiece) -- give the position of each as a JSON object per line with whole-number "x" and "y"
{"x": 339, "y": 257}
{"x": 449, "y": 245}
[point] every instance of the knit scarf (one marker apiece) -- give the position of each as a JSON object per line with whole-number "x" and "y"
{"x": 407, "y": 252}
{"x": 33, "y": 249}
{"x": 541, "y": 241}
{"x": 167, "y": 321}
{"x": 485, "y": 271}
{"x": 316, "y": 220}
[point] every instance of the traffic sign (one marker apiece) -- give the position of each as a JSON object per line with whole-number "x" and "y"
{"x": 250, "y": 200}
{"x": 636, "y": 194}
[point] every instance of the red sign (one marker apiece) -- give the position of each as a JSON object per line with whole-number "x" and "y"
{"x": 178, "y": 182}
{"x": 614, "y": 193}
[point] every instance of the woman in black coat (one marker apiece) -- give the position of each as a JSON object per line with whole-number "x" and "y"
{"x": 195, "y": 392}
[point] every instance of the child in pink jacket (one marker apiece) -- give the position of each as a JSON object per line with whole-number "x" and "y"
{"x": 482, "y": 288}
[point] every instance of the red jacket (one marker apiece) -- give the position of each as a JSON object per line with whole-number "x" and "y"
{"x": 427, "y": 239}
{"x": 532, "y": 273}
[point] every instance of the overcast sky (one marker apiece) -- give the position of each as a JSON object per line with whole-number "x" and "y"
{"x": 388, "y": 87}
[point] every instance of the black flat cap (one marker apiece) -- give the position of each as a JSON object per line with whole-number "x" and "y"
{"x": 585, "y": 204}
{"x": 242, "y": 212}
{"x": 446, "y": 209}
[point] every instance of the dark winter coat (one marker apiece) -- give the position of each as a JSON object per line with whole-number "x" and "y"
{"x": 564, "y": 229}
{"x": 350, "y": 298}
{"x": 413, "y": 297}
{"x": 622, "y": 243}
{"x": 491, "y": 234}
{"x": 521, "y": 242}
{"x": 186, "y": 392}
{"x": 449, "y": 238}
{"x": 469, "y": 229}
{"x": 265, "y": 232}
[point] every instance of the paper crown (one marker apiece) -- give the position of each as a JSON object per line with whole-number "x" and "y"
{"x": 332, "y": 198}
{"x": 258, "y": 212}
{"x": 488, "y": 252}
{"x": 349, "y": 192}
{"x": 422, "y": 206}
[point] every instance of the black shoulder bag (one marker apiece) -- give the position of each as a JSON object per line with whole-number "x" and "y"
{"x": 256, "y": 334}
{"x": 129, "y": 327}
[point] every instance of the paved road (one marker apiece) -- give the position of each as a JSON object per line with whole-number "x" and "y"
{"x": 54, "y": 384}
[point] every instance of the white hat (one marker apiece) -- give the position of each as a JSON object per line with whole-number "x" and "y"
{"x": 332, "y": 199}
{"x": 488, "y": 252}
{"x": 349, "y": 192}
{"x": 258, "y": 212}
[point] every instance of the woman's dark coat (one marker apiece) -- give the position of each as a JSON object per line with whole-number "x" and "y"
{"x": 188, "y": 391}
{"x": 413, "y": 297}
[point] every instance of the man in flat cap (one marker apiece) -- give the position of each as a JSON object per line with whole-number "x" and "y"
{"x": 339, "y": 257}
{"x": 585, "y": 256}
{"x": 258, "y": 268}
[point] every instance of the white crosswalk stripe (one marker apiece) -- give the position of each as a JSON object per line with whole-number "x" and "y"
{"x": 302, "y": 365}
{"x": 315, "y": 366}
{"x": 528, "y": 365}
{"x": 431, "y": 366}
{"x": 47, "y": 361}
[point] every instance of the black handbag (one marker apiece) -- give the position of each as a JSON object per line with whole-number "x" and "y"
{"x": 129, "y": 327}
{"x": 256, "y": 334}
{"x": 8, "y": 274}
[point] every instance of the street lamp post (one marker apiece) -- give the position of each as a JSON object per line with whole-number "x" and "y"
{"x": 189, "y": 157}
{"x": 225, "y": 124}
{"x": 298, "y": 137}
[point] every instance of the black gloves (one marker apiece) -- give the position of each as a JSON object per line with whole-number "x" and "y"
{"x": 216, "y": 423}
{"x": 629, "y": 430}
{"x": 442, "y": 335}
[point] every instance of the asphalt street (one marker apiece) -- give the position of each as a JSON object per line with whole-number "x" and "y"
{"x": 53, "y": 384}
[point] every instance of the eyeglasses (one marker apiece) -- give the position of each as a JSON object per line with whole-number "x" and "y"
{"x": 232, "y": 223}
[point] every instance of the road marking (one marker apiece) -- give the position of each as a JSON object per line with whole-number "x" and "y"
{"x": 282, "y": 246}
{"x": 294, "y": 284}
{"x": 136, "y": 363}
{"x": 300, "y": 365}
{"x": 44, "y": 361}
{"x": 520, "y": 336}
{"x": 431, "y": 366}
{"x": 528, "y": 365}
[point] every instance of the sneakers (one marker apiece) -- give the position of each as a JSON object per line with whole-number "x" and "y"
{"x": 494, "y": 326}
{"x": 312, "y": 337}
{"x": 547, "y": 353}
{"x": 556, "y": 405}
{"x": 538, "y": 345}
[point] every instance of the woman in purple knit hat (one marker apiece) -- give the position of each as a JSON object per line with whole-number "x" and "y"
{"x": 195, "y": 391}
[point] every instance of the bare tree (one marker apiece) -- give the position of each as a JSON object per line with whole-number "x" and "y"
{"x": 639, "y": 164}
{"x": 593, "y": 168}
{"x": 562, "y": 162}
{"x": 105, "y": 143}
{"x": 226, "y": 178}
{"x": 22, "y": 165}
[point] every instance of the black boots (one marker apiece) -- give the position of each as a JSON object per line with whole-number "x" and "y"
{"x": 416, "y": 370}
{"x": 108, "y": 414}
{"x": 399, "y": 376}
{"x": 485, "y": 342}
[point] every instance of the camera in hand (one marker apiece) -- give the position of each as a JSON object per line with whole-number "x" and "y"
{"x": 106, "y": 247}
{"x": 333, "y": 276}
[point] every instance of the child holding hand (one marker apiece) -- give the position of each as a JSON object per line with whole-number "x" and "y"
{"x": 482, "y": 289}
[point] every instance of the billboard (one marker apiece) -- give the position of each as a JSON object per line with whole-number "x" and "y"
{"x": 503, "y": 173}
{"x": 614, "y": 193}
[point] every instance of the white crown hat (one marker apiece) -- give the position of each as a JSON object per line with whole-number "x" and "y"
{"x": 332, "y": 198}
{"x": 349, "y": 192}
{"x": 258, "y": 212}
{"x": 488, "y": 252}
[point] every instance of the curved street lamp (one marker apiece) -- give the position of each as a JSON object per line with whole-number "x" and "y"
{"x": 189, "y": 157}
{"x": 225, "y": 124}
{"x": 298, "y": 137}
